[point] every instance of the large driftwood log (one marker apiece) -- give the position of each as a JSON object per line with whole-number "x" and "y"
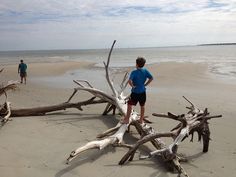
{"x": 6, "y": 110}
{"x": 39, "y": 111}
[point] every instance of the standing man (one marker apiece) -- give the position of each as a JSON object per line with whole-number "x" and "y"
{"x": 138, "y": 80}
{"x": 22, "y": 70}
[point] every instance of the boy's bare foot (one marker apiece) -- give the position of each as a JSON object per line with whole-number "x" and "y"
{"x": 140, "y": 121}
{"x": 122, "y": 121}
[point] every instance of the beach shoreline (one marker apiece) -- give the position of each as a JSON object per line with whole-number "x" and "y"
{"x": 38, "y": 146}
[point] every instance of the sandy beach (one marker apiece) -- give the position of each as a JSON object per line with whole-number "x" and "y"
{"x": 38, "y": 146}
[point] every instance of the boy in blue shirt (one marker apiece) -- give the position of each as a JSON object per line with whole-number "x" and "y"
{"x": 138, "y": 79}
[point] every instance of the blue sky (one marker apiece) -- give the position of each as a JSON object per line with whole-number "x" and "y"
{"x": 82, "y": 24}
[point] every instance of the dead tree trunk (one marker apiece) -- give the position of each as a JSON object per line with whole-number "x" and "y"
{"x": 39, "y": 111}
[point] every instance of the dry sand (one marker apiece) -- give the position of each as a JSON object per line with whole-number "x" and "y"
{"x": 39, "y": 146}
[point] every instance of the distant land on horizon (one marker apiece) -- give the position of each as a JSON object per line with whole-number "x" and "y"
{"x": 217, "y": 44}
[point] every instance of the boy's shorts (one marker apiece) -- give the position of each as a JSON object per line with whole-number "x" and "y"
{"x": 137, "y": 97}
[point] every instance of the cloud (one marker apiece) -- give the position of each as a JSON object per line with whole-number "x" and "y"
{"x": 60, "y": 24}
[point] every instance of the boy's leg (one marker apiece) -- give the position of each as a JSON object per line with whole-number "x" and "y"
{"x": 21, "y": 79}
{"x": 126, "y": 118}
{"x": 132, "y": 102}
{"x": 25, "y": 79}
{"x": 142, "y": 101}
{"x": 142, "y": 111}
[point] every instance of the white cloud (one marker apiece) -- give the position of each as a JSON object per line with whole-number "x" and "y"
{"x": 40, "y": 24}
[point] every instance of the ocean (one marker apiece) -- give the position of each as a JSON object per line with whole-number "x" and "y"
{"x": 221, "y": 59}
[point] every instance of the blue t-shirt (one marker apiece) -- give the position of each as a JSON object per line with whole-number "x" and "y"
{"x": 139, "y": 77}
{"x": 22, "y": 67}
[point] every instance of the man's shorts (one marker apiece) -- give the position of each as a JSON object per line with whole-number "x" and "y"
{"x": 137, "y": 97}
{"x": 23, "y": 74}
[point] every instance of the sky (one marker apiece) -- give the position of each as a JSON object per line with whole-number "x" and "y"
{"x": 89, "y": 24}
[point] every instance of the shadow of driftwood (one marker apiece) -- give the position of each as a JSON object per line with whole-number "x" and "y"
{"x": 131, "y": 138}
{"x": 85, "y": 157}
{"x": 91, "y": 156}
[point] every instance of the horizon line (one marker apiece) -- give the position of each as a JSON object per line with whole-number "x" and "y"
{"x": 204, "y": 44}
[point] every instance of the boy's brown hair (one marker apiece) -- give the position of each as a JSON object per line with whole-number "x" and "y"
{"x": 140, "y": 61}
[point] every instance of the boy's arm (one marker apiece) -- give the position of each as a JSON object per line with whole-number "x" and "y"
{"x": 149, "y": 81}
{"x": 131, "y": 83}
{"x": 150, "y": 78}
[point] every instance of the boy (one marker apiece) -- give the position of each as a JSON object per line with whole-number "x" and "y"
{"x": 138, "y": 79}
{"x": 22, "y": 70}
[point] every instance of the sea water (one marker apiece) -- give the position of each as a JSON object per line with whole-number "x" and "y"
{"x": 221, "y": 60}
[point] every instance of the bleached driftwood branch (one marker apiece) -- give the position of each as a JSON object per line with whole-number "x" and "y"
{"x": 5, "y": 116}
{"x": 39, "y": 111}
{"x": 118, "y": 100}
{"x": 5, "y": 109}
{"x": 11, "y": 85}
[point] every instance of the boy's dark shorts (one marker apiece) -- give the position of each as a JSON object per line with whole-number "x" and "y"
{"x": 137, "y": 97}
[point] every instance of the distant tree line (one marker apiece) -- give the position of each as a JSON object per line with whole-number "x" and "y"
{"x": 217, "y": 44}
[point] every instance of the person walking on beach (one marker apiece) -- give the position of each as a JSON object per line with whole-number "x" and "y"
{"x": 138, "y": 80}
{"x": 22, "y": 70}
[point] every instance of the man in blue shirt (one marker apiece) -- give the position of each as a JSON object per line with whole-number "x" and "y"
{"x": 22, "y": 70}
{"x": 138, "y": 80}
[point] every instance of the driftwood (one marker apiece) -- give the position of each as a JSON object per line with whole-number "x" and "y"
{"x": 195, "y": 120}
{"x": 114, "y": 136}
{"x": 5, "y": 109}
{"x": 40, "y": 111}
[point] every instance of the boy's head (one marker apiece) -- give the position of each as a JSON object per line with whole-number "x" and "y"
{"x": 140, "y": 62}
{"x": 21, "y": 61}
